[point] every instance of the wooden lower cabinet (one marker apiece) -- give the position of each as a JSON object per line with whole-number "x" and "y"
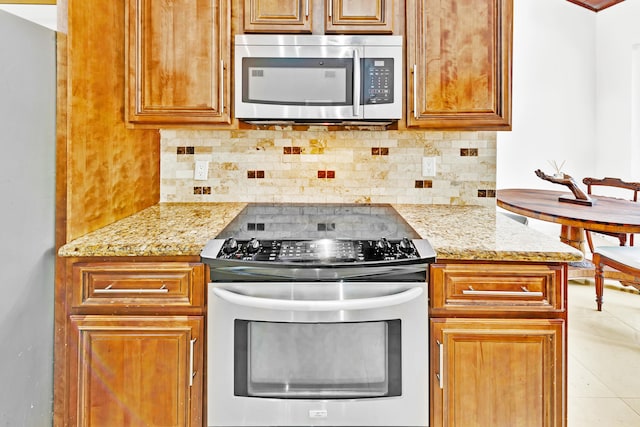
{"x": 134, "y": 343}
{"x": 497, "y": 372}
{"x": 498, "y": 344}
{"x": 136, "y": 371}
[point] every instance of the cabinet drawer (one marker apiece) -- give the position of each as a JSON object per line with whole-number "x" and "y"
{"x": 126, "y": 285}
{"x": 496, "y": 288}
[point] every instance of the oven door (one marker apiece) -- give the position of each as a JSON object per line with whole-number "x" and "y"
{"x": 326, "y": 354}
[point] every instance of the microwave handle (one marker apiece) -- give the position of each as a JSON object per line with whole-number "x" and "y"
{"x": 356, "y": 83}
{"x": 319, "y": 305}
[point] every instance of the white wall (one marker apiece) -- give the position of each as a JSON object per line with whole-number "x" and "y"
{"x": 576, "y": 94}
{"x": 554, "y": 94}
{"x": 618, "y": 91}
{"x": 27, "y": 218}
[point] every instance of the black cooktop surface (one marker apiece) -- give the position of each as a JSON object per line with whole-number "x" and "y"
{"x": 318, "y": 221}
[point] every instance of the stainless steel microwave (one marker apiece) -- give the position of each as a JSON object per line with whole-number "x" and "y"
{"x": 316, "y": 78}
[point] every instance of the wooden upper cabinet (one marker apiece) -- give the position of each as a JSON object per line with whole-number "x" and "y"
{"x": 340, "y": 16}
{"x": 459, "y": 64}
{"x": 277, "y": 16}
{"x": 178, "y": 61}
{"x": 359, "y": 16}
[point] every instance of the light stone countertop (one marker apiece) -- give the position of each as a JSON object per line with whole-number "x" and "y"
{"x": 455, "y": 232}
{"x": 165, "y": 229}
{"x": 480, "y": 233}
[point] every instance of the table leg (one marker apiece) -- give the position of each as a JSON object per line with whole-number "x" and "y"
{"x": 573, "y": 236}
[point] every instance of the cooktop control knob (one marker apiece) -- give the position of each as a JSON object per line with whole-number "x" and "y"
{"x": 253, "y": 246}
{"x": 383, "y": 244}
{"x": 230, "y": 246}
{"x": 381, "y": 249}
{"x": 406, "y": 247}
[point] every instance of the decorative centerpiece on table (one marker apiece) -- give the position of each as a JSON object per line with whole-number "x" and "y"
{"x": 581, "y": 198}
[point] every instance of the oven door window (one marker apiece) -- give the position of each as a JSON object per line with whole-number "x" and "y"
{"x": 318, "y": 360}
{"x": 318, "y": 81}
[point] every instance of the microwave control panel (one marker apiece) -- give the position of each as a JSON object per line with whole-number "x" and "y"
{"x": 377, "y": 76}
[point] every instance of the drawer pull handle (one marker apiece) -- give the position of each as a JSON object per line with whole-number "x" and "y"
{"x": 523, "y": 292}
{"x": 110, "y": 290}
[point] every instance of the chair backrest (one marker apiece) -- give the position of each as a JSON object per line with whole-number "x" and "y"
{"x": 616, "y": 183}
{"x": 613, "y": 182}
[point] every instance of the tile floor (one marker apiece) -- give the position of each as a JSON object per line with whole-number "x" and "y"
{"x": 603, "y": 357}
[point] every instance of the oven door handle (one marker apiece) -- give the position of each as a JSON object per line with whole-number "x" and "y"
{"x": 319, "y": 305}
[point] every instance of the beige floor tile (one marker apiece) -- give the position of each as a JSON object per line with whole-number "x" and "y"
{"x": 634, "y": 404}
{"x": 601, "y": 412}
{"x": 624, "y": 304}
{"x": 582, "y": 383}
{"x": 605, "y": 343}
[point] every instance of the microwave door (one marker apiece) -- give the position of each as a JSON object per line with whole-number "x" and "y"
{"x": 317, "y": 83}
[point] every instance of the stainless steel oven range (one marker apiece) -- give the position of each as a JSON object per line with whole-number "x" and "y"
{"x": 317, "y": 316}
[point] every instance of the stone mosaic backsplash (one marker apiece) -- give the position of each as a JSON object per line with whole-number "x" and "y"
{"x": 325, "y": 166}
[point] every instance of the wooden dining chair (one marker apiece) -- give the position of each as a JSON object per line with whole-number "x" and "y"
{"x": 625, "y": 259}
{"x": 634, "y": 187}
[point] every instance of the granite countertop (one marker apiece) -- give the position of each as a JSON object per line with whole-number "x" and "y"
{"x": 455, "y": 232}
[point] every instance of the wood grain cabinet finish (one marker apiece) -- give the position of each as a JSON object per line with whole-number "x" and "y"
{"x": 491, "y": 289}
{"x": 135, "y": 343}
{"x": 459, "y": 64}
{"x": 136, "y": 371}
{"x": 497, "y": 372}
{"x": 340, "y": 16}
{"x": 178, "y": 61}
{"x": 498, "y": 344}
{"x": 359, "y": 16}
{"x": 119, "y": 286}
{"x": 278, "y": 16}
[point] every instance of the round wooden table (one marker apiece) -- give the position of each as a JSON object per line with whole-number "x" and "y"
{"x": 606, "y": 214}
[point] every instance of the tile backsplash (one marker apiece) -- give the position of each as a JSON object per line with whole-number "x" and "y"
{"x": 325, "y": 166}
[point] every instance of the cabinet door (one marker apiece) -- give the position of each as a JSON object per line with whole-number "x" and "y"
{"x": 277, "y": 16}
{"x": 359, "y": 16}
{"x": 497, "y": 372}
{"x": 178, "y": 61}
{"x": 459, "y": 64}
{"x": 136, "y": 371}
